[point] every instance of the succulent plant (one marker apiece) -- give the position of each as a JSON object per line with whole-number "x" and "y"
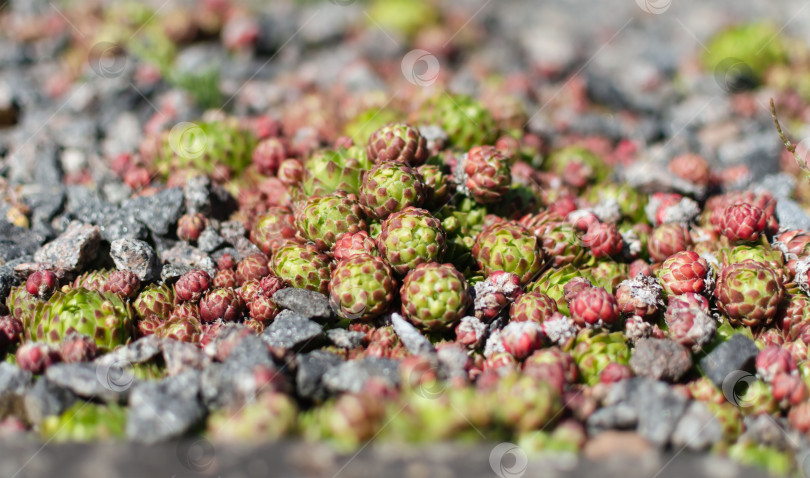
{"x": 389, "y": 187}
{"x": 251, "y": 268}
{"x": 192, "y": 285}
{"x": 435, "y": 296}
{"x": 352, "y": 244}
{"x": 749, "y": 293}
{"x": 520, "y": 339}
{"x": 666, "y": 240}
{"x": 577, "y": 166}
{"x": 325, "y": 219}
{"x": 553, "y": 281}
{"x": 41, "y": 284}
{"x": 123, "y": 283}
{"x": 362, "y": 287}
{"x": 484, "y": 174}
{"x": 273, "y": 229}
{"x": 397, "y": 142}
{"x": 593, "y": 351}
{"x": 190, "y": 226}
{"x": 85, "y": 422}
{"x": 437, "y": 185}
{"x": 685, "y": 272}
{"x": 534, "y": 306}
{"x": 603, "y": 240}
{"x": 329, "y": 170}
{"x": 409, "y": 238}
{"x": 270, "y": 417}
{"x": 92, "y": 280}
{"x": 154, "y": 301}
{"x": 224, "y": 304}
{"x": 303, "y": 266}
{"x": 509, "y": 247}
{"x": 595, "y": 307}
{"x": 466, "y": 121}
{"x": 103, "y": 316}
{"x": 36, "y": 357}
{"x": 743, "y": 222}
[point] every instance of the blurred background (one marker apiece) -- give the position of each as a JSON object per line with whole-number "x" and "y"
{"x": 102, "y": 93}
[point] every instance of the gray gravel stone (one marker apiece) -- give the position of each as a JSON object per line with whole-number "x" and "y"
{"x": 352, "y": 376}
{"x": 120, "y": 225}
{"x": 736, "y": 354}
{"x": 310, "y": 370}
{"x": 136, "y": 256}
{"x": 232, "y": 383}
{"x": 14, "y": 383}
{"x": 166, "y": 409}
{"x": 660, "y": 359}
{"x": 791, "y": 215}
{"x": 139, "y": 351}
{"x": 210, "y": 240}
{"x": 414, "y": 341}
{"x": 656, "y": 406}
{"x": 105, "y": 382}
{"x": 345, "y": 339}
{"x": 158, "y": 212}
{"x": 183, "y": 254}
{"x": 306, "y": 303}
{"x": 698, "y": 428}
{"x": 45, "y": 399}
{"x": 453, "y": 360}
{"x": 73, "y": 249}
{"x": 180, "y": 356}
{"x": 291, "y": 331}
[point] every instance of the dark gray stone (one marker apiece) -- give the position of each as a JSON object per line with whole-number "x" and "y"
{"x": 180, "y": 356}
{"x": 166, "y": 409}
{"x": 735, "y": 354}
{"x": 109, "y": 383}
{"x": 120, "y": 225}
{"x": 791, "y": 215}
{"x": 14, "y": 383}
{"x": 290, "y": 331}
{"x": 45, "y": 203}
{"x": 233, "y": 383}
{"x": 139, "y": 351}
{"x": 136, "y": 256}
{"x": 345, "y": 339}
{"x": 172, "y": 272}
{"x": 411, "y": 338}
{"x": 657, "y": 408}
{"x": 306, "y": 303}
{"x": 184, "y": 254}
{"x": 45, "y": 399}
{"x": 698, "y": 428}
{"x": 660, "y": 359}
{"x": 352, "y": 376}
{"x": 206, "y": 197}
{"x": 7, "y": 281}
{"x": 232, "y": 231}
{"x": 310, "y": 370}
{"x": 73, "y": 249}
{"x": 210, "y": 240}
{"x": 158, "y": 212}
